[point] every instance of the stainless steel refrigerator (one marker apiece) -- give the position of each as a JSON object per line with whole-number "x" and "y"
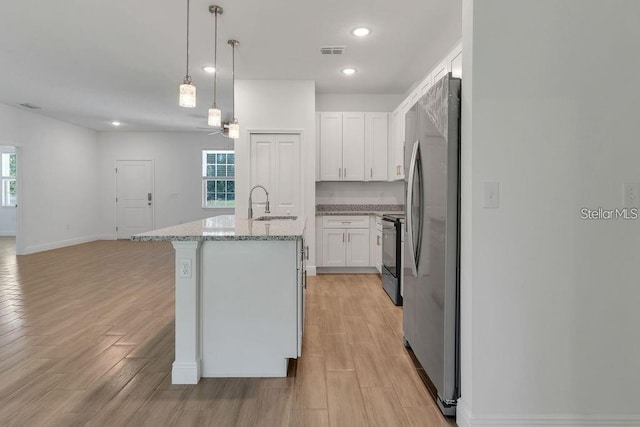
{"x": 431, "y": 270}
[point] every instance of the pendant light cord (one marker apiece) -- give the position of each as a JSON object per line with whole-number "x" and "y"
{"x": 233, "y": 80}
{"x": 187, "y": 77}
{"x": 215, "y": 60}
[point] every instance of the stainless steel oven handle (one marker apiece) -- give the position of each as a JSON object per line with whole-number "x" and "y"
{"x": 409, "y": 207}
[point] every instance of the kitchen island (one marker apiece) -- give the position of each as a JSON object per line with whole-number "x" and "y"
{"x": 239, "y": 296}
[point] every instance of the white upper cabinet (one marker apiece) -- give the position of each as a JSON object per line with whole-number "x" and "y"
{"x": 441, "y": 71}
{"x": 396, "y": 146}
{"x": 453, "y": 64}
{"x": 426, "y": 84}
{"x": 396, "y": 142}
{"x": 376, "y": 135}
{"x": 317, "y": 146}
{"x": 331, "y": 146}
{"x": 353, "y": 146}
{"x": 456, "y": 65}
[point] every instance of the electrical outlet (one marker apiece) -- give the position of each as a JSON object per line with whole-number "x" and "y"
{"x": 631, "y": 193}
{"x": 184, "y": 268}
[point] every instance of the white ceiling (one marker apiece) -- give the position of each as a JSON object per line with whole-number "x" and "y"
{"x": 89, "y": 62}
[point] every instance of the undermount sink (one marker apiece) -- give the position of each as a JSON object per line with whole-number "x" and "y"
{"x": 276, "y": 218}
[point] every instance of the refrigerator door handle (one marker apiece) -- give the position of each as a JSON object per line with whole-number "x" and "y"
{"x": 409, "y": 213}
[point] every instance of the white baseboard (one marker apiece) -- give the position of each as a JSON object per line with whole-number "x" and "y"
{"x": 108, "y": 237}
{"x": 185, "y": 373}
{"x": 8, "y": 233}
{"x": 347, "y": 270}
{"x": 57, "y": 245}
{"x": 465, "y": 419}
{"x": 311, "y": 270}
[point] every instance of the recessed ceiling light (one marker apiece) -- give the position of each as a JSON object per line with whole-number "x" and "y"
{"x": 209, "y": 69}
{"x": 116, "y": 123}
{"x": 349, "y": 71}
{"x": 361, "y": 32}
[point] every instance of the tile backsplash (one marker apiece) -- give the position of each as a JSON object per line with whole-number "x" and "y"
{"x": 361, "y": 193}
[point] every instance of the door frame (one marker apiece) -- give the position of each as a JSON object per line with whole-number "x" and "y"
{"x": 20, "y": 247}
{"x": 115, "y": 193}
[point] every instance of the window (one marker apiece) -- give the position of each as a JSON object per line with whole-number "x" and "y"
{"x": 8, "y": 179}
{"x": 218, "y": 179}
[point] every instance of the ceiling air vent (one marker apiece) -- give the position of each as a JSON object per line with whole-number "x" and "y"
{"x": 332, "y": 50}
{"x": 30, "y": 106}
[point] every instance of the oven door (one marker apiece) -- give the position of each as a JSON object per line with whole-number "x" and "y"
{"x": 389, "y": 246}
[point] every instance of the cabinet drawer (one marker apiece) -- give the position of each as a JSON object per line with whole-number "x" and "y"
{"x": 345, "y": 221}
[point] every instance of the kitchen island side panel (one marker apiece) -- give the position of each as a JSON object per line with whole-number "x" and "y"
{"x": 249, "y": 308}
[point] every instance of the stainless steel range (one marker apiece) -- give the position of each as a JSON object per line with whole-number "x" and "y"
{"x": 392, "y": 235}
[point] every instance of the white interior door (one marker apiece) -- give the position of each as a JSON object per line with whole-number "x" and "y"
{"x": 134, "y": 197}
{"x": 275, "y": 164}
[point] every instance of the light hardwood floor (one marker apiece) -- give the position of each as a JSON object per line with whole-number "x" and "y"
{"x": 86, "y": 338}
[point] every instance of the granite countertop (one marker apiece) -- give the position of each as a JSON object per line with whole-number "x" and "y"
{"x": 227, "y": 227}
{"x": 380, "y": 210}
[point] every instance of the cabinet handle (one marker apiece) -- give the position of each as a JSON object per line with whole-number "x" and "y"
{"x": 378, "y": 240}
{"x": 371, "y": 172}
{"x": 342, "y": 237}
{"x": 349, "y": 237}
{"x": 398, "y": 170}
{"x": 339, "y": 172}
{"x": 346, "y": 222}
{"x": 345, "y": 172}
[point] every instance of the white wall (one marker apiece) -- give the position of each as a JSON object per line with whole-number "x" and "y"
{"x": 7, "y": 213}
{"x": 360, "y": 193}
{"x": 177, "y": 160}
{"x": 56, "y": 179}
{"x": 278, "y": 105}
{"x": 550, "y": 301}
{"x": 357, "y": 102}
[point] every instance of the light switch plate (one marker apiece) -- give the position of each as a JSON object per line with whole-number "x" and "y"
{"x": 492, "y": 195}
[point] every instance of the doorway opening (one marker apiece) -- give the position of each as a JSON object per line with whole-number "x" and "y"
{"x": 9, "y": 220}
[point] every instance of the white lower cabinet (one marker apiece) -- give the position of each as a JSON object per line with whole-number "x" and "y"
{"x": 333, "y": 248}
{"x": 345, "y": 241}
{"x": 376, "y": 242}
{"x": 357, "y": 250}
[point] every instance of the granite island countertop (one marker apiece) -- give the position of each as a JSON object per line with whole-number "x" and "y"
{"x": 370, "y": 209}
{"x": 227, "y": 227}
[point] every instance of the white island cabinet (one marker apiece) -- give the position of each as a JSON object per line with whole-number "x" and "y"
{"x": 239, "y": 296}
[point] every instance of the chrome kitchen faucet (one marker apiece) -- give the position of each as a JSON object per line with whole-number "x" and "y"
{"x": 266, "y": 206}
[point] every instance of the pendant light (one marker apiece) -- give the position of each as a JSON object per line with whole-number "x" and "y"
{"x": 187, "y": 96}
{"x": 215, "y": 115}
{"x": 234, "y": 126}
